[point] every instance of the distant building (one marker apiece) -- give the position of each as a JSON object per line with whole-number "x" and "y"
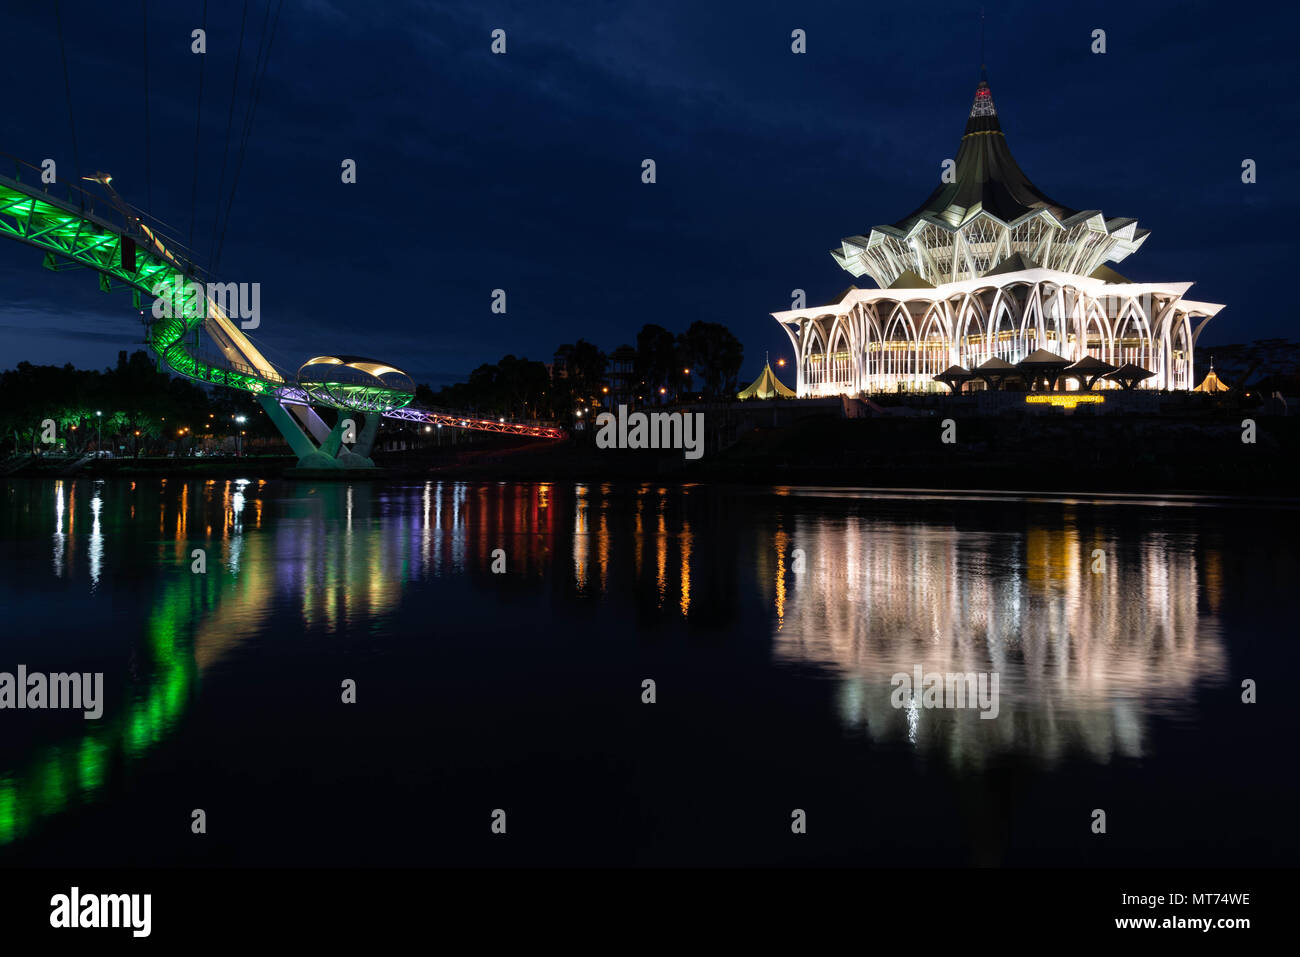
{"x": 990, "y": 268}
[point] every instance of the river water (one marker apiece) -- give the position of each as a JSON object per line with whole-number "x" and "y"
{"x": 771, "y": 621}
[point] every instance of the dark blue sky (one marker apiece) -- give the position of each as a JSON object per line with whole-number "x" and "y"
{"x": 523, "y": 171}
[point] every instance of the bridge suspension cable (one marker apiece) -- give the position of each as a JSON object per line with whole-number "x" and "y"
{"x": 67, "y": 88}
{"x": 225, "y": 149}
{"x": 148, "y": 126}
{"x": 255, "y": 89}
{"x": 198, "y": 122}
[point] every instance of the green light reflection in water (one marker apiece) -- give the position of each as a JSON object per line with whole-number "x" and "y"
{"x": 63, "y": 773}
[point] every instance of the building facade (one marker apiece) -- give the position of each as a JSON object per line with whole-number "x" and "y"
{"x": 990, "y": 267}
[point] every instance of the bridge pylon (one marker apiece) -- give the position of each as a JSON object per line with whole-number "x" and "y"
{"x": 319, "y": 446}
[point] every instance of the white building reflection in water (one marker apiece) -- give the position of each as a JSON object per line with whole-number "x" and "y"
{"x": 96, "y": 535}
{"x": 1084, "y": 658}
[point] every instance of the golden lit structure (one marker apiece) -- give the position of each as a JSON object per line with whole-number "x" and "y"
{"x": 1067, "y": 400}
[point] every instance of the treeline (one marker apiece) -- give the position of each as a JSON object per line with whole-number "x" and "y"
{"x": 702, "y": 362}
{"x": 133, "y": 397}
{"x": 144, "y": 410}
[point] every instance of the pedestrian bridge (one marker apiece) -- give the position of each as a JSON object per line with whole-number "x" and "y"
{"x": 196, "y": 337}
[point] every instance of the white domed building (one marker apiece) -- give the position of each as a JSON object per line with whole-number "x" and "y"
{"x": 990, "y": 268}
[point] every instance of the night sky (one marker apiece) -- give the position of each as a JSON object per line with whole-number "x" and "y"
{"x": 523, "y": 171}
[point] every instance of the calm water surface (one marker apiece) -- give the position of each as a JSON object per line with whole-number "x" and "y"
{"x": 770, "y": 619}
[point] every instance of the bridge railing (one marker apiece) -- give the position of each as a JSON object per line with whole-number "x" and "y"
{"x": 220, "y": 361}
{"x": 103, "y": 209}
{"x": 416, "y": 413}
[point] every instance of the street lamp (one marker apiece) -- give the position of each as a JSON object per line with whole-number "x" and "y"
{"x": 99, "y": 443}
{"x": 239, "y": 440}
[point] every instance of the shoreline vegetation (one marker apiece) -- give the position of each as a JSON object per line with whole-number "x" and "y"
{"x": 1136, "y": 454}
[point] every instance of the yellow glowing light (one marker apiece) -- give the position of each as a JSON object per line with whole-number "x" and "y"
{"x": 1067, "y": 400}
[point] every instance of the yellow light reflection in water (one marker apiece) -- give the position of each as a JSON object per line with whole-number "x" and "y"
{"x": 685, "y": 539}
{"x": 780, "y": 542}
{"x": 580, "y": 537}
{"x": 638, "y": 534}
{"x": 602, "y": 544}
{"x": 661, "y": 556}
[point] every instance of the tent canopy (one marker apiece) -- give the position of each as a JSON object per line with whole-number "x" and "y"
{"x": 1212, "y": 383}
{"x": 766, "y": 386}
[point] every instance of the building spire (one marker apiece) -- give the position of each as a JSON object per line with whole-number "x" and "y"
{"x": 983, "y": 105}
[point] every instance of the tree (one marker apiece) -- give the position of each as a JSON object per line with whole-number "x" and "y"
{"x": 715, "y": 355}
{"x": 656, "y": 357}
{"x": 586, "y": 366}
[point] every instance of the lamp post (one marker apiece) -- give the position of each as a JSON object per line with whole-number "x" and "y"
{"x": 99, "y": 443}
{"x": 239, "y": 439}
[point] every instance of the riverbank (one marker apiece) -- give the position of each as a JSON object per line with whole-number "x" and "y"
{"x": 1140, "y": 454}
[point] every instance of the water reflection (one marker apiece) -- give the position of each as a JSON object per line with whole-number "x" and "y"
{"x": 1086, "y": 659}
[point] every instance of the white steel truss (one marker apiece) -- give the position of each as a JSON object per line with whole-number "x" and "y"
{"x": 942, "y": 252}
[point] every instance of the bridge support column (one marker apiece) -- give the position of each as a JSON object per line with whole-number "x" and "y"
{"x": 293, "y": 434}
{"x": 334, "y": 441}
{"x": 366, "y": 440}
{"x": 314, "y": 424}
{"x": 358, "y": 457}
{"x": 322, "y": 449}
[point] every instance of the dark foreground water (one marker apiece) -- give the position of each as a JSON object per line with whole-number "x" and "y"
{"x": 770, "y": 620}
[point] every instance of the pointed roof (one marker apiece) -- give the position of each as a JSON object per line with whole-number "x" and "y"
{"x": 1106, "y": 274}
{"x": 1041, "y": 357}
{"x": 995, "y": 365}
{"x": 1013, "y": 263}
{"x": 954, "y": 372}
{"x": 766, "y": 386}
{"x": 1130, "y": 371}
{"x": 953, "y": 377}
{"x": 1089, "y": 365}
{"x": 1212, "y": 383}
{"x": 986, "y": 173}
{"x": 908, "y": 279}
{"x": 1129, "y": 375}
{"x": 984, "y": 197}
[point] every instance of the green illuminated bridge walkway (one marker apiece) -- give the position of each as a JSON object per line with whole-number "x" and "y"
{"x": 116, "y": 243}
